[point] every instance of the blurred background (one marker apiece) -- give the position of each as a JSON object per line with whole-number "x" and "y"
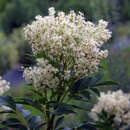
{"x": 14, "y": 50}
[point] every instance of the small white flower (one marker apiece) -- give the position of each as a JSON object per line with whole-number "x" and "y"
{"x": 51, "y": 11}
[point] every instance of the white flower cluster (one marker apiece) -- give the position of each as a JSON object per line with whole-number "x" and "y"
{"x": 113, "y": 103}
{"x": 42, "y": 75}
{"x": 70, "y": 40}
{"x": 4, "y": 86}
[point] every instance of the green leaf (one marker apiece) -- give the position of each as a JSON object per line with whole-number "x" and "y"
{"x": 21, "y": 117}
{"x": 96, "y": 91}
{"x": 79, "y": 107}
{"x": 34, "y": 121}
{"x": 86, "y": 82}
{"x": 102, "y": 115}
{"x": 88, "y": 106}
{"x": 36, "y": 92}
{"x": 85, "y": 94}
{"x": 80, "y": 98}
{"x": 7, "y": 111}
{"x": 7, "y": 101}
{"x": 103, "y": 83}
{"x": 63, "y": 109}
{"x": 98, "y": 76}
{"x": 40, "y": 126}
{"x": 40, "y": 55}
{"x": 28, "y": 101}
{"x": 80, "y": 85}
{"x": 59, "y": 121}
{"x": 86, "y": 126}
{"x": 11, "y": 121}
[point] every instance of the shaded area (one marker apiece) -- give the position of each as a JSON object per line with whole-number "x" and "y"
{"x": 15, "y": 77}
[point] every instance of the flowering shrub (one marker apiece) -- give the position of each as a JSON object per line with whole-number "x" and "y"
{"x": 67, "y": 50}
{"x": 70, "y": 47}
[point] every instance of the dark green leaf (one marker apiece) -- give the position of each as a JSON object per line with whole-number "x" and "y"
{"x": 40, "y": 126}
{"x": 102, "y": 115}
{"x": 28, "y": 101}
{"x": 96, "y": 91}
{"x": 34, "y": 121}
{"x": 79, "y": 107}
{"x": 86, "y": 82}
{"x": 63, "y": 109}
{"x": 103, "y": 83}
{"x": 89, "y": 106}
{"x": 11, "y": 121}
{"x": 96, "y": 78}
{"x": 7, "y": 101}
{"x": 18, "y": 127}
{"x": 85, "y": 94}
{"x": 80, "y": 85}
{"x": 59, "y": 121}
{"x": 7, "y": 111}
{"x": 39, "y": 93}
{"x": 87, "y": 126}
{"x": 80, "y": 98}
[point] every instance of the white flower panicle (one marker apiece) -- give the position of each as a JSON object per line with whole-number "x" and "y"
{"x": 70, "y": 40}
{"x": 41, "y": 76}
{"x": 4, "y": 86}
{"x": 113, "y": 103}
